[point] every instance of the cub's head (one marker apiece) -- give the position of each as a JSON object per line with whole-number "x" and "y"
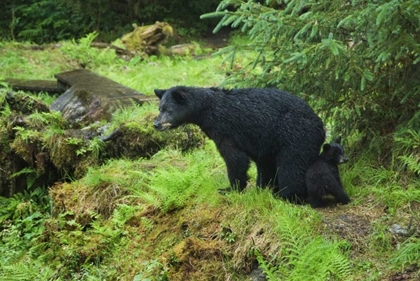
{"x": 334, "y": 152}
{"x": 174, "y": 108}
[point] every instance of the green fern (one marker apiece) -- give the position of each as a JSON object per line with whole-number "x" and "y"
{"x": 407, "y": 149}
{"x": 302, "y": 254}
{"x": 269, "y": 270}
{"x": 318, "y": 260}
{"x": 31, "y": 33}
{"x": 25, "y": 271}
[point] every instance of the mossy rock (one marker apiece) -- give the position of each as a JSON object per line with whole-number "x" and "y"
{"x": 140, "y": 139}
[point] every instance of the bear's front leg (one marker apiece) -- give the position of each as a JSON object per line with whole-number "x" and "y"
{"x": 237, "y": 164}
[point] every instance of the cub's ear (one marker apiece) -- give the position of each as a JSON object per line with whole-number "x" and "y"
{"x": 338, "y": 140}
{"x": 179, "y": 96}
{"x": 326, "y": 146}
{"x": 159, "y": 93}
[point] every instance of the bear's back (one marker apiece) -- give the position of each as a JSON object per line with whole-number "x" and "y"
{"x": 269, "y": 119}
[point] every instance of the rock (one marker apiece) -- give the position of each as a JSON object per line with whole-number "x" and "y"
{"x": 399, "y": 230}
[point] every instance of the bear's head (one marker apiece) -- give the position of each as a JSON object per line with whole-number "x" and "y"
{"x": 334, "y": 152}
{"x": 170, "y": 109}
{"x": 179, "y": 105}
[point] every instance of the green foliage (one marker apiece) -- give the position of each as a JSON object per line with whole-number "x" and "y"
{"x": 23, "y": 204}
{"x": 354, "y": 61}
{"x": 30, "y": 174}
{"x": 17, "y": 60}
{"x": 270, "y": 271}
{"x": 53, "y": 120}
{"x": 165, "y": 72}
{"x": 407, "y": 254}
{"x": 407, "y": 144}
{"x": 21, "y": 222}
{"x": 44, "y": 21}
{"x": 132, "y": 219}
{"x": 394, "y": 189}
{"x": 298, "y": 253}
{"x": 26, "y": 270}
{"x": 227, "y": 234}
{"x": 153, "y": 271}
{"x": 317, "y": 261}
{"x": 85, "y": 55}
{"x": 174, "y": 186}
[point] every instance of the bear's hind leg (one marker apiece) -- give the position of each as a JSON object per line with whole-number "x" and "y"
{"x": 291, "y": 177}
{"x": 316, "y": 202}
{"x": 266, "y": 175}
{"x": 315, "y": 196}
{"x": 340, "y": 195}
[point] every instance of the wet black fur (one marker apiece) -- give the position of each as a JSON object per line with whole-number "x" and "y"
{"x": 323, "y": 177}
{"x": 273, "y": 128}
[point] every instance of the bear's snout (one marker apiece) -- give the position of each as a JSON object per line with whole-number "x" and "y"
{"x": 157, "y": 125}
{"x": 161, "y": 126}
{"x": 343, "y": 159}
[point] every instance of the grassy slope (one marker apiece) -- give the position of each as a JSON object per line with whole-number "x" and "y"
{"x": 162, "y": 219}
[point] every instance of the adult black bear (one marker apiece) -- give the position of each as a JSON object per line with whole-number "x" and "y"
{"x": 275, "y": 129}
{"x": 323, "y": 177}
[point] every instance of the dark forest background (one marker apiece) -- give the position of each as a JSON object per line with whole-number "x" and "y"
{"x": 43, "y": 21}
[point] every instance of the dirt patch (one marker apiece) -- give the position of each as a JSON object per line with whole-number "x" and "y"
{"x": 371, "y": 225}
{"x": 219, "y": 39}
{"x": 411, "y": 273}
{"x": 353, "y": 224}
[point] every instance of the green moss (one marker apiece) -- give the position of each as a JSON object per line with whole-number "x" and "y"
{"x": 140, "y": 139}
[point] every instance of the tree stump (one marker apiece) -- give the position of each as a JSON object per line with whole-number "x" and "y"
{"x": 145, "y": 40}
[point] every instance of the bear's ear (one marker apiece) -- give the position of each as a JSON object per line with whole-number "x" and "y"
{"x": 179, "y": 96}
{"x": 338, "y": 140}
{"x": 326, "y": 146}
{"x": 159, "y": 93}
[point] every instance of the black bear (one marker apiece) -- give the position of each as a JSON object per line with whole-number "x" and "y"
{"x": 277, "y": 130}
{"x": 323, "y": 177}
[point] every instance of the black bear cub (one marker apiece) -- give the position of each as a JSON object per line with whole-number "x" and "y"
{"x": 323, "y": 178}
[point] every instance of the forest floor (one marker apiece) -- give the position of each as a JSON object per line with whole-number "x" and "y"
{"x": 200, "y": 237}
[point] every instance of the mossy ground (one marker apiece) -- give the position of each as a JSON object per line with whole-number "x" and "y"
{"x": 161, "y": 217}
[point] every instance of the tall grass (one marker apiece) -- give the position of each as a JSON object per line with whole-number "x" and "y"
{"x": 147, "y": 75}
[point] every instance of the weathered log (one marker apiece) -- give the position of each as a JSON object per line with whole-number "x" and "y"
{"x": 90, "y": 97}
{"x": 34, "y": 86}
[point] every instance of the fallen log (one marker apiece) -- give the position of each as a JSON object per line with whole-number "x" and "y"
{"x": 90, "y": 97}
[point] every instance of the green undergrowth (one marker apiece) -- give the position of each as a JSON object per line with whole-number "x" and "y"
{"x": 169, "y": 205}
{"x": 161, "y": 217}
